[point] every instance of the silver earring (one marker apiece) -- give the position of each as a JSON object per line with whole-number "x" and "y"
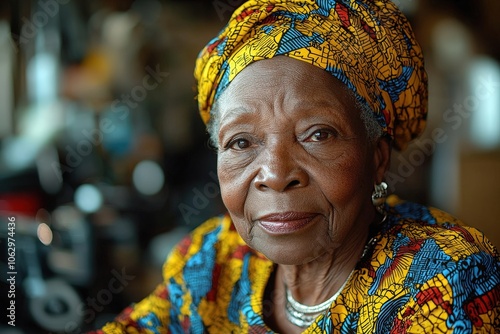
{"x": 379, "y": 196}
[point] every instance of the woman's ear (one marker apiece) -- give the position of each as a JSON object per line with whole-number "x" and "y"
{"x": 382, "y": 158}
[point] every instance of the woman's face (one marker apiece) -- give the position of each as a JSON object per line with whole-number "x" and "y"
{"x": 295, "y": 166}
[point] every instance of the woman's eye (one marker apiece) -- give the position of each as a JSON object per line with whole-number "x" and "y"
{"x": 239, "y": 144}
{"x": 321, "y": 135}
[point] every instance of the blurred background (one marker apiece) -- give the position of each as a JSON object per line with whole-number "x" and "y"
{"x": 105, "y": 164}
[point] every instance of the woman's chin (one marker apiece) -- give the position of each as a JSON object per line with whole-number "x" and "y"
{"x": 287, "y": 253}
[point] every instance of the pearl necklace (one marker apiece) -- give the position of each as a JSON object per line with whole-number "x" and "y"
{"x": 303, "y": 315}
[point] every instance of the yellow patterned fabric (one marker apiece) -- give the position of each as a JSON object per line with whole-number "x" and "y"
{"x": 427, "y": 273}
{"x": 368, "y": 45}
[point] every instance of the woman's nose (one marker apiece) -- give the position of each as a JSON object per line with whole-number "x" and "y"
{"x": 280, "y": 171}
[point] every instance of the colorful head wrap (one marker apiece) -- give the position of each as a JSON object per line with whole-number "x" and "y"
{"x": 367, "y": 44}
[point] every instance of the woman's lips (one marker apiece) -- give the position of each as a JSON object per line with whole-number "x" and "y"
{"x": 285, "y": 222}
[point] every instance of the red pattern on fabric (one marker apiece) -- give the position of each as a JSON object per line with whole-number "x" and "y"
{"x": 387, "y": 116}
{"x": 464, "y": 232}
{"x": 343, "y": 13}
{"x": 482, "y": 305}
{"x": 411, "y": 248}
{"x": 240, "y": 252}
{"x": 125, "y": 314}
{"x": 163, "y": 293}
{"x": 436, "y": 296}
{"x": 212, "y": 46}
{"x": 246, "y": 13}
{"x": 369, "y": 31}
{"x": 269, "y": 20}
{"x": 212, "y": 294}
{"x": 184, "y": 245}
{"x": 186, "y": 324}
{"x": 400, "y": 326}
{"x": 408, "y": 312}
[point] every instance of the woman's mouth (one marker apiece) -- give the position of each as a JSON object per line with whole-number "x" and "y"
{"x": 285, "y": 222}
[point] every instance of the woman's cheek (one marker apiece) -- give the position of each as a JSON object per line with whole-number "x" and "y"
{"x": 230, "y": 197}
{"x": 234, "y": 198}
{"x": 234, "y": 183}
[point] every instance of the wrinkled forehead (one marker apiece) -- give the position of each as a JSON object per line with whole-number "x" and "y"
{"x": 294, "y": 79}
{"x": 287, "y": 90}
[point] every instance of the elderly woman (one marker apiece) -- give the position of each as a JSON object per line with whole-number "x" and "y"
{"x": 304, "y": 100}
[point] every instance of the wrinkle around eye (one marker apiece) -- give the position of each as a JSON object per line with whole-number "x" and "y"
{"x": 231, "y": 155}
{"x": 234, "y": 163}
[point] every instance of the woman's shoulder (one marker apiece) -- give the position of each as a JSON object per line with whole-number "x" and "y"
{"x": 406, "y": 210}
{"x": 413, "y": 221}
{"x": 440, "y": 273}
{"x": 216, "y": 241}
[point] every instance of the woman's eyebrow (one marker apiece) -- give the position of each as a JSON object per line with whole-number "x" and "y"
{"x": 331, "y": 104}
{"x": 320, "y": 112}
{"x": 236, "y": 116}
{"x": 235, "y": 113}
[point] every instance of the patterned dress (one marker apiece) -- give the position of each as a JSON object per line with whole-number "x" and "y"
{"x": 427, "y": 273}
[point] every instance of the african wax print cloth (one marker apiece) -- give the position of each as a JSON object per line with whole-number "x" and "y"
{"x": 428, "y": 273}
{"x": 368, "y": 45}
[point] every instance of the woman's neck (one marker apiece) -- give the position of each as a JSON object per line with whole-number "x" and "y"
{"x": 311, "y": 283}
{"x": 315, "y": 282}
